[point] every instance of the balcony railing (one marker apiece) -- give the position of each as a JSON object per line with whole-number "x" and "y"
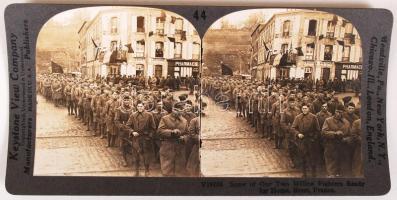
{"x": 177, "y": 55}
{"x": 140, "y": 30}
{"x": 345, "y": 59}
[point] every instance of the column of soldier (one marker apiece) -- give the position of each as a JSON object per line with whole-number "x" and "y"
{"x": 320, "y": 132}
{"x": 144, "y": 121}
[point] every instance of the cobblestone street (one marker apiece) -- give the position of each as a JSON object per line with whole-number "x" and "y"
{"x": 65, "y": 148}
{"x": 231, "y": 148}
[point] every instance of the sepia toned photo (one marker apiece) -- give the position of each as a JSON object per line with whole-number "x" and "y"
{"x": 282, "y": 89}
{"x": 117, "y": 94}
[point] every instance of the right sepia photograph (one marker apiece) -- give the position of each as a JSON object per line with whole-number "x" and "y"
{"x": 281, "y": 95}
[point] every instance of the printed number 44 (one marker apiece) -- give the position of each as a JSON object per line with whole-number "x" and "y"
{"x": 197, "y": 16}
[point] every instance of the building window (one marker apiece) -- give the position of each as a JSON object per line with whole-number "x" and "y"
{"x": 178, "y": 50}
{"x": 159, "y": 50}
{"x": 140, "y": 49}
{"x": 284, "y": 48}
{"x": 140, "y": 24}
{"x": 113, "y": 25}
{"x": 309, "y": 51}
{"x": 312, "y": 27}
{"x": 346, "y": 54}
{"x": 348, "y": 28}
{"x": 178, "y": 26}
{"x": 286, "y": 28}
{"x": 330, "y": 29}
{"x": 328, "y": 52}
{"x": 196, "y": 51}
{"x": 160, "y": 25}
{"x": 139, "y": 70}
{"x": 158, "y": 70}
{"x": 113, "y": 45}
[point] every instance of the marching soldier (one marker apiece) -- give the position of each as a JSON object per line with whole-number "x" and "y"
{"x": 141, "y": 128}
{"x": 306, "y": 131}
{"x": 121, "y": 117}
{"x": 110, "y": 109}
{"x": 172, "y": 151}
{"x": 357, "y": 160}
{"x": 287, "y": 119}
{"x": 334, "y": 130}
{"x": 68, "y": 97}
{"x": 193, "y": 161}
{"x": 157, "y": 113}
{"x": 277, "y": 109}
{"x": 323, "y": 114}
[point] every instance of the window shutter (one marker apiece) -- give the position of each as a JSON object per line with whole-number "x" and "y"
{"x": 340, "y": 53}
{"x": 352, "y": 53}
{"x": 184, "y": 50}
{"x": 134, "y": 24}
{"x": 358, "y": 54}
{"x": 152, "y": 49}
{"x": 153, "y": 24}
{"x": 342, "y": 32}
{"x": 334, "y": 52}
{"x": 306, "y": 27}
{"x": 166, "y": 28}
{"x": 190, "y": 50}
{"x": 322, "y": 52}
{"x": 171, "y": 49}
{"x": 324, "y": 27}
{"x": 172, "y": 29}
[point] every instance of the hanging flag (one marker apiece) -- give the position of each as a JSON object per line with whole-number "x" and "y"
{"x": 173, "y": 19}
{"x": 334, "y": 20}
{"x": 352, "y": 39}
{"x": 264, "y": 44}
{"x": 340, "y": 42}
{"x": 171, "y": 39}
{"x": 300, "y": 52}
{"x": 96, "y": 46}
{"x": 226, "y": 70}
{"x": 183, "y": 36}
{"x": 129, "y": 46}
{"x": 267, "y": 56}
{"x": 344, "y": 22}
{"x": 96, "y": 54}
{"x": 56, "y": 68}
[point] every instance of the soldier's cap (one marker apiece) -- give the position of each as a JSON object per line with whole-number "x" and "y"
{"x": 189, "y": 102}
{"x": 347, "y": 99}
{"x": 182, "y": 97}
{"x": 179, "y": 106}
{"x": 340, "y": 107}
{"x": 351, "y": 104}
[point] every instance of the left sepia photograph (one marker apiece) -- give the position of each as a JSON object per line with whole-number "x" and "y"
{"x": 117, "y": 94}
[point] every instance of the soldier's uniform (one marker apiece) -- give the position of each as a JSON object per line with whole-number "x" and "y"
{"x": 333, "y": 143}
{"x": 87, "y": 109}
{"x": 172, "y": 151}
{"x": 307, "y": 124}
{"x": 357, "y": 160}
{"x": 157, "y": 115}
{"x": 279, "y": 136}
{"x": 287, "y": 119}
{"x": 110, "y": 109}
{"x": 68, "y": 98}
{"x": 322, "y": 116}
{"x": 121, "y": 118}
{"x": 193, "y": 161}
{"x": 142, "y": 145}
